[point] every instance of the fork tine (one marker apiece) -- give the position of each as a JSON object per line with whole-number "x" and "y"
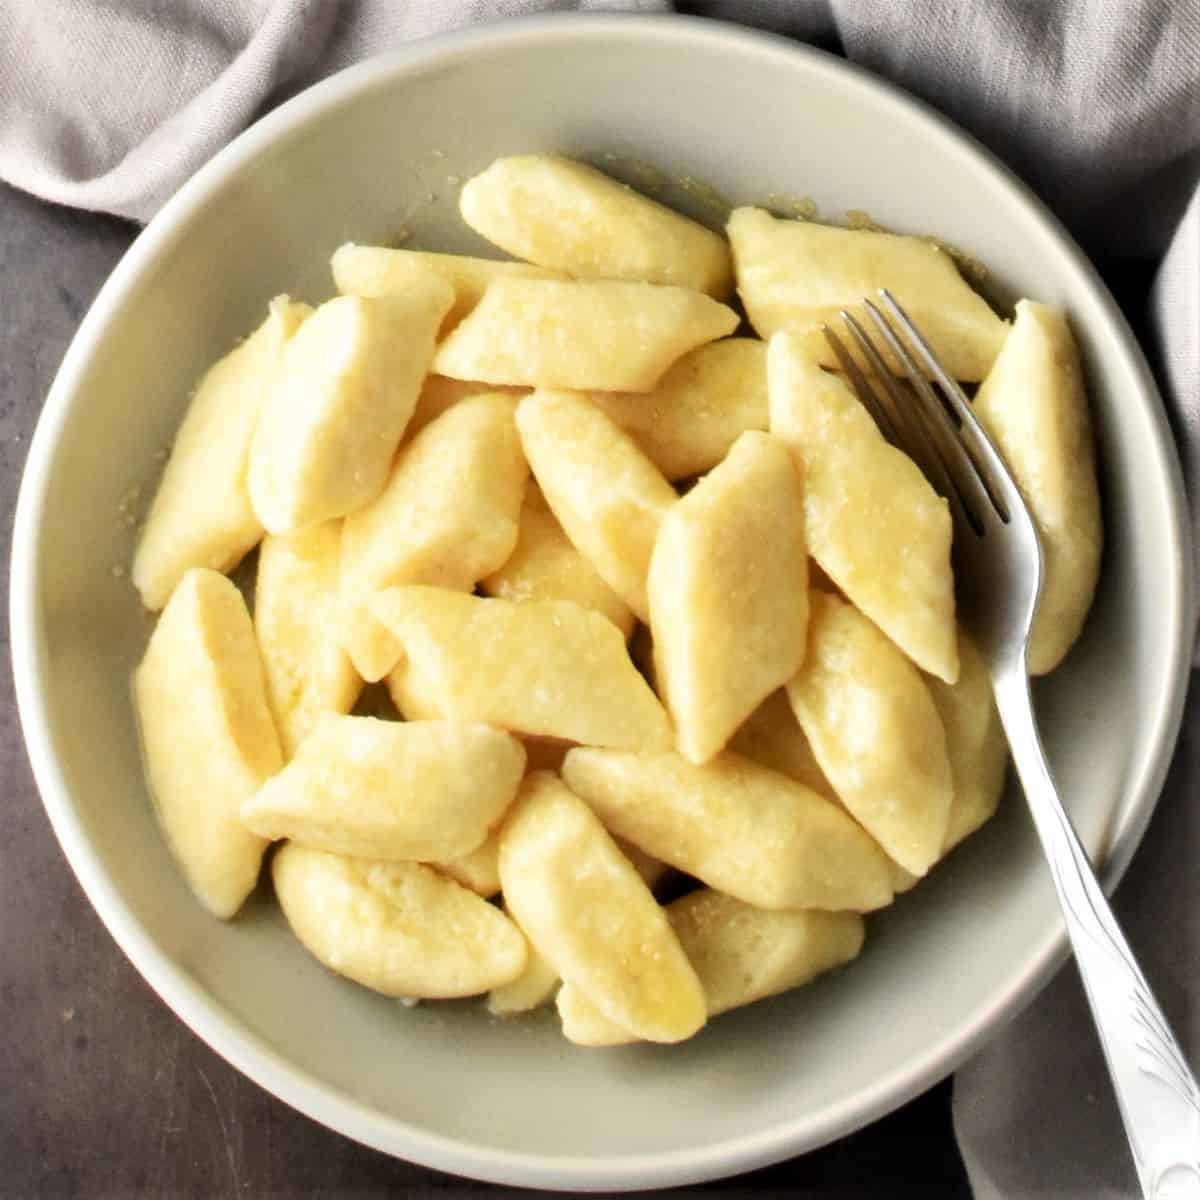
{"x": 925, "y": 449}
{"x": 971, "y": 435}
{"x": 970, "y": 488}
{"x": 862, "y": 386}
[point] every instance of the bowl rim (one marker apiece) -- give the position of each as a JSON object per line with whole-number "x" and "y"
{"x": 249, "y": 1052}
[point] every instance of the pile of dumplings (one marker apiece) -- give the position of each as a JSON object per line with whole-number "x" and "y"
{"x": 658, "y": 611}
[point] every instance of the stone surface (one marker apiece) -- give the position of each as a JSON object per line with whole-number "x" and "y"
{"x": 103, "y": 1091}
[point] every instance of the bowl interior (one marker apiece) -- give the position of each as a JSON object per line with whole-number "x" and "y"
{"x": 379, "y": 151}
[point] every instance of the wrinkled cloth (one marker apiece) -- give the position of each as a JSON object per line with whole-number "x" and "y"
{"x": 112, "y": 104}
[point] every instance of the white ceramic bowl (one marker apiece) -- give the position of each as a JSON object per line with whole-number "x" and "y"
{"x": 382, "y": 146}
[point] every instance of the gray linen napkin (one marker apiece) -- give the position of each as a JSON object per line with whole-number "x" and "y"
{"x": 111, "y": 104}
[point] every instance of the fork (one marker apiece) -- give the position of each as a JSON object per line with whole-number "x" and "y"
{"x": 998, "y": 576}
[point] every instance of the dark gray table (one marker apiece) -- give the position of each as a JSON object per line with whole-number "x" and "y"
{"x": 103, "y": 1092}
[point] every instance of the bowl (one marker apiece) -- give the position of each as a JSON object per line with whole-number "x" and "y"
{"x": 379, "y": 149}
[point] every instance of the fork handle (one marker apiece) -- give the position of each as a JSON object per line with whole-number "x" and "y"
{"x": 1156, "y": 1091}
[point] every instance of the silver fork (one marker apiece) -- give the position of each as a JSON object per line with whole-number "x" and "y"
{"x": 998, "y": 575}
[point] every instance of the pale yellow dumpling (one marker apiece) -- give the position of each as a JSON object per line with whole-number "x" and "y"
{"x": 876, "y": 733}
{"x": 739, "y": 827}
{"x": 567, "y": 215}
{"x": 297, "y": 620}
{"x": 587, "y": 912}
{"x": 381, "y": 271}
{"x": 873, "y": 522}
{"x": 534, "y": 987}
{"x": 740, "y": 953}
{"x": 728, "y": 590}
{"x": 539, "y": 981}
{"x": 479, "y": 870}
{"x": 547, "y": 668}
{"x": 544, "y": 565}
{"x": 771, "y": 735}
{"x": 430, "y": 791}
{"x": 594, "y": 333}
{"x": 399, "y": 928}
{"x": 700, "y": 407}
{"x": 416, "y": 695}
{"x": 208, "y": 740}
{"x": 799, "y": 275}
{"x": 447, "y": 517}
{"x": 345, "y": 389}
{"x": 201, "y": 515}
{"x": 1035, "y": 409}
{"x": 608, "y": 496}
{"x": 440, "y": 392}
{"x": 975, "y": 743}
